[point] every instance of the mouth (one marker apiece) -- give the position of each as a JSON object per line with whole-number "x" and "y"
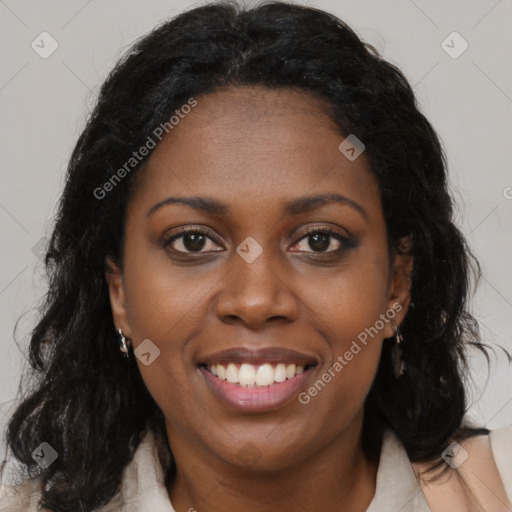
{"x": 247, "y": 375}
{"x": 256, "y": 380}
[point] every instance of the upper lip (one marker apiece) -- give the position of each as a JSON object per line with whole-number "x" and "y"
{"x": 258, "y": 356}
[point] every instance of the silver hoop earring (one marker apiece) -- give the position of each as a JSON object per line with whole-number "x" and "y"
{"x": 122, "y": 344}
{"x": 399, "y": 365}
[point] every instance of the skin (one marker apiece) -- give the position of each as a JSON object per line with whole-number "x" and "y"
{"x": 254, "y": 149}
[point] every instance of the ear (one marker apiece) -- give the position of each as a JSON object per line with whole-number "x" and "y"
{"x": 399, "y": 298}
{"x": 115, "y": 282}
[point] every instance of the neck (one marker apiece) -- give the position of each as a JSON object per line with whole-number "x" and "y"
{"x": 339, "y": 477}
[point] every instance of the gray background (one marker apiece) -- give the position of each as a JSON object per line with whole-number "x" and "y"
{"x": 43, "y": 104}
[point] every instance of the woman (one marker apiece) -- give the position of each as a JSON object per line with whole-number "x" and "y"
{"x": 258, "y": 296}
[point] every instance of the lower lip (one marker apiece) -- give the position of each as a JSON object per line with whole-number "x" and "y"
{"x": 256, "y": 399}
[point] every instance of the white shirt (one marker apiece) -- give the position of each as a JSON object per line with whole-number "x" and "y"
{"x": 143, "y": 488}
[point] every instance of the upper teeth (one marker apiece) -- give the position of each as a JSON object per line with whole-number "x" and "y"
{"x": 249, "y": 375}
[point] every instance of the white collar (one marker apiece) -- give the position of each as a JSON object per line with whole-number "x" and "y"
{"x": 397, "y": 487}
{"x": 143, "y": 486}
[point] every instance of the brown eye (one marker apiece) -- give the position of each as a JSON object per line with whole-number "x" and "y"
{"x": 321, "y": 241}
{"x": 189, "y": 241}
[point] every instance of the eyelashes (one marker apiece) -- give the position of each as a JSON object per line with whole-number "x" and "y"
{"x": 194, "y": 238}
{"x": 327, "y": 233}
{"x": 187, "y": 232}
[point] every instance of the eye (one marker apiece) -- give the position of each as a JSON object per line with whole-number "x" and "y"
{"x": 321, "y": 239}
{"x": 189, "y": 240}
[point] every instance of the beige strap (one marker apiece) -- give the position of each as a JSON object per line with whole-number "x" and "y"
{"x": 476, "y": 465}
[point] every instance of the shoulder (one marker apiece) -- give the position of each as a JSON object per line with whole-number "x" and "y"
{"x": 483, "y": 465}
{"x": 21, "y": 497}
{"x": 501, "y": 445}
{"x": 143, "y": 481}
{"x": 24, "y": 497}
{"x": 486, "y": 466}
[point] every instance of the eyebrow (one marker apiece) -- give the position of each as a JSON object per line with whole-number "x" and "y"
{"x": 297, "y": 206}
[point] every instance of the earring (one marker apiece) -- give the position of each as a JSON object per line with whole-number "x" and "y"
{"x": 122, "y": 344}
{"x": 399, "y": 365}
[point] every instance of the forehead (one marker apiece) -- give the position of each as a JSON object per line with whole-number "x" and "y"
{"x": 247, "y": 142}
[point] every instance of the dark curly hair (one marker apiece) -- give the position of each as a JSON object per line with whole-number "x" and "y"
{"x": 87, "y": 400}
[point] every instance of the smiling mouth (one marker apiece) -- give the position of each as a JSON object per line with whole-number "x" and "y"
{"x": 265, "y": 375}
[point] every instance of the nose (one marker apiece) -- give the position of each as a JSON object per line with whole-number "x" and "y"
{"x": 257, "y": 293}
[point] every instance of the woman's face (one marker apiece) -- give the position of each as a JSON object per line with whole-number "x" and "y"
{"x": 255, "y": 284}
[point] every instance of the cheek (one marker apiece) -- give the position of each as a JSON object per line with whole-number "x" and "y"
{"x": 346, "y": 302}
{"x": 163, "y": 299}
{"x": 163, "y": 306}
{"x": 349, "y": 311}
